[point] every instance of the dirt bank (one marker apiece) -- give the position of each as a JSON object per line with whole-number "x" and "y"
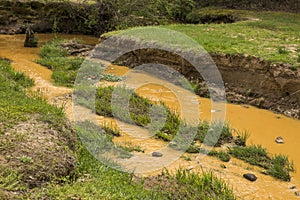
{"x": 247, "y": 79}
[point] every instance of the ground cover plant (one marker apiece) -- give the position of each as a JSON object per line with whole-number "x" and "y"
{"x": 277, "y": 166}
{"x": 36, "y": 141}
{"x": 269, "y": 35}
{"x": 272, "y": 36}
{"x": 89, "y": 178}
{"x": 64, "y": 67}
{"x": 101, "y": 182}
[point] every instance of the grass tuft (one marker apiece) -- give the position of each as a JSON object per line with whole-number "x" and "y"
{"x": 278, "y": 166}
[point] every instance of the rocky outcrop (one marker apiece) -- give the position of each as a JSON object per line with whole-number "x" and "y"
{"x": 76, "y": 49}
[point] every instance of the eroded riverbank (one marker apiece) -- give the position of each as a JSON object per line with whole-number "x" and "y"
{"x": 263, "y": 125}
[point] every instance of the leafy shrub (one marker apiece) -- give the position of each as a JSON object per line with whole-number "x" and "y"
{"x": 193, "y": 18}
{"x": 175, "y": 9}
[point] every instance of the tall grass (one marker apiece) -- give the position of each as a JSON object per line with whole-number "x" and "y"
{"x": 190, "y": 185}
{"x": 277, "y": 166}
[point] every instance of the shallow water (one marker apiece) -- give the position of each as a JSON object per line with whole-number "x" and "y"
{"x": 264, "y": 126}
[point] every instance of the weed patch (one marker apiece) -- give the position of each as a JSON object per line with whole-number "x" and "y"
{"x": 277, "y": 166}
{"x": 65, "y": 69}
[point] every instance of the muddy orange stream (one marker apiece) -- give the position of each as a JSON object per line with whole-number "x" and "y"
{"x": 264, "y": 126}
{"x": 11, "y": 47}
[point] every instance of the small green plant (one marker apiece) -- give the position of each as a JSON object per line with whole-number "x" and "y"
{"x": 193, "y": 18}
{"x": 55, "y": 28}
{"x": 282, "y": 50}
{"x": 128, "y": 146}
{"x": 25, "y": 159}
{"x": 241, "y": 138}
{"x": 186, "y": 157}
{"x": 280, "y": 167}
{"x": 221, "y": 154}
{"x": 110, "y": 77}
{"x": 52, "y": 49}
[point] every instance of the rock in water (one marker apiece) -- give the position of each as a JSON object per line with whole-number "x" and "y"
{"x": 279, "y": 140}
{"x": 157, "y": 154}
{"x": 250, "y": 177}
{"x": 30, "y": 40}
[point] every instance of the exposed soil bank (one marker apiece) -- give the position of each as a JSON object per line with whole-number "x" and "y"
{"x": 247, "y": 79}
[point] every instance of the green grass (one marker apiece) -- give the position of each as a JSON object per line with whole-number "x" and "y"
{"x": 139, "y": 113}
{"x": 241, "y": 138}
{"x": 184, "y": 185}
{"x": 222, "y": 155}
{"x": 261, "y": 37}
{"x": 16, "y": 105}
{"x": 91, "y": 179}
{"x": 139, "y": 110}
{"x": 97, "y": 181}
{"x": 277, "y": 166}
{"x": 65, "y": 69}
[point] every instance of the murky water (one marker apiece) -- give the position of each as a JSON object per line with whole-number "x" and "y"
{"x": 264, "y": 126}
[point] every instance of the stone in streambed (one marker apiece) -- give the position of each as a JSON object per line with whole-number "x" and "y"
{"x": 250, "y": 177}
{"x": 279, "y": 140}
{"x": 157, "y": 154}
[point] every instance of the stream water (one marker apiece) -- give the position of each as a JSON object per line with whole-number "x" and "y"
{"x": 263, "y": 126}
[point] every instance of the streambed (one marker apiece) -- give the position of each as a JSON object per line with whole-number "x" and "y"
{"x": 264, "y": 126}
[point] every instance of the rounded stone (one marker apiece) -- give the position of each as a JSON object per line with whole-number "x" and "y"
{"x": 250, "y": 177}
{"x": 157, "y": 154}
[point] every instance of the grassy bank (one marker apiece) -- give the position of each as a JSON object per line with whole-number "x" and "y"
{"x": 272, "y": 36}
{"x": 65, "y": 69}
{"x": 97, "y": 181}
{"x": 36, "y": 141}
{"x": 28, "y": 121}
{"x": 139, "y": 113}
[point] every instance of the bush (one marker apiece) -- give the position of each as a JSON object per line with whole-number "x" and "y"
{"x": 193, "y": 18}
{"x": 175, "y": 9}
